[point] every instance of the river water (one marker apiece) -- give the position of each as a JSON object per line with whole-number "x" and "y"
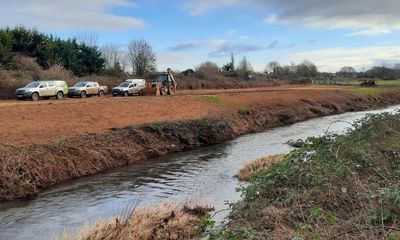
{"x": 206, "y": 173}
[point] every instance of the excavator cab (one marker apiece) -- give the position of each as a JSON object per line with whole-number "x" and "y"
{"x": 162, "y": 84}
{"x": 162, "y": 79}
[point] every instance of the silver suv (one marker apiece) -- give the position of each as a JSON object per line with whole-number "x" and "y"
{"x": 43, "y": 89}
{"x": 129, "y": 87}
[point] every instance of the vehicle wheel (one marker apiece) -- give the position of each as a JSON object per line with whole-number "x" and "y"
{"x": 60, "y": 95}
{"x": 171, "y": 90}
{"x": 126, "y": 94}
{"x": 83, "y": 94}
{"x": 163, "y": 91}
{"x": 35, "y": 96}
{"x": 101, "y": 94}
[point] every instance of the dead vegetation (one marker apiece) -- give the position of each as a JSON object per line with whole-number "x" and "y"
{"x": 221, "y": 82}
{"x": 333, "y": 187}
{"x": 27, "y": 169}
{"x": 26, "y": 69}
{"x": 257, "y": 166}
{"x": 165, "y": 221}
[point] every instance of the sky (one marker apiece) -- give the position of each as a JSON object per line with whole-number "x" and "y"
{"x": 332, "y": 34}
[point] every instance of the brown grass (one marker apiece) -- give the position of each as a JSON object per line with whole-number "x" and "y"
{"x": 57, "y": 72}
{"x": 24, "y": 170}
{"x": 44, "y": 161}
{"x": 221, "y": 82}
{"x": 257, "y": 166}
{"x": 165, "y": 221}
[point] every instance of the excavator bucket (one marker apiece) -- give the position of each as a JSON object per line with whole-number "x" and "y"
{"x": 151, "y": 91}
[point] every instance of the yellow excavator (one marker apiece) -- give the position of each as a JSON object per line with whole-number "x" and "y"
{"x": 162, "y": 84}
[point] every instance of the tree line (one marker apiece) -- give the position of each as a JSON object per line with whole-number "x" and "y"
{"x": 86, "y": 57}
{"x": 80, "y": 56}
{"x": 48, "y": 50}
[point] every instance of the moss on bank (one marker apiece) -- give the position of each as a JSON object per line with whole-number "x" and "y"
{"x": 334, "y": 187}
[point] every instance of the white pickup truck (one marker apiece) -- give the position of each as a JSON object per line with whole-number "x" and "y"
{"x": 85, "y": 89}
{"x": 42, "y": 89}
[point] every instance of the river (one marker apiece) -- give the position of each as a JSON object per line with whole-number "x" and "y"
{"x": 206, "y": 173}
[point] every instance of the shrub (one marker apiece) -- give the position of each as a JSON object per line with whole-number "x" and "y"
{"x": 56, "y": 72}
{"x": 27, "y": 64}
{"x": 334, "y": 187}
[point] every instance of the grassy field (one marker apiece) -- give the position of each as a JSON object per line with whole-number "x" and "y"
{"x": 378, "y": 82}
{"x": 334, "y": 187}
{"x": 376, "y": 91}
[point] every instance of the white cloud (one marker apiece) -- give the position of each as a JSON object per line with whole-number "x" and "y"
{"x": 199, "y": 7}
{"x": 365, "y": 17}
{"x": 227, "y": 48}
{"x": 232, "y": 33}
{"x": 173, "y": 58}
{"x": 332, "y": 59}
{"x": 66, "y": 15}
{"x": 198, "y": 44}
{"x": 371, "y": 32}
{"x": 176, "y": 61}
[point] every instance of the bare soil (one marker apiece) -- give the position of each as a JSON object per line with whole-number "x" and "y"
{"x": 47, "y": 121}
{"x": 49, "y": 142}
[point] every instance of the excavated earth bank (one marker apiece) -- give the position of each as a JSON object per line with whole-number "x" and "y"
{"x": 25, "y": 170}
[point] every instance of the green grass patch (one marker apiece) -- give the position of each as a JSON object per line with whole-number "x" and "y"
{"x": 388, "y": 82}
{"x": 357, "y": 83}
{"x": 212, "y": 98}
{"x": 244, "y": 110}
{"x": 373, "y": 91}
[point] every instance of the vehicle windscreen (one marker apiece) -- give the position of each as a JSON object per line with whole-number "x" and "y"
{"x": 124, "y": 84}
{"x": 33, "y": 85}
{"x": 80, "y": 84}
{"x": 160, "y": 78}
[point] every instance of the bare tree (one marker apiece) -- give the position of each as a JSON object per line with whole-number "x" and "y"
{"x": 208, "y": 68}
{"x": 141, "y": 57}
{"x": 244, "y": 68}
{"x": 347, "y": 71}
{"x": 306, "y": 69}
{"x": 233, "y": 62}
{"x": 90, "y": 39}
{"x": 112, "y": 55}
{"x": 244, "y": 65}
{"x": 124, "y": 61}
{"x": 273, "y": 67}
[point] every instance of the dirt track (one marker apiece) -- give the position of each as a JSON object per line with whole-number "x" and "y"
{"x": 46, "y": 121}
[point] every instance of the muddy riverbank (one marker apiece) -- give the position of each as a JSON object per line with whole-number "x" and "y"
{"x": 206, "y": 172}
{"x": 25, "y": 170}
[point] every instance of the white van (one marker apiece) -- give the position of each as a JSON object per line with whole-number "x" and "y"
{"x": 43, "y": 89}
{"x": 129, "y": 87}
